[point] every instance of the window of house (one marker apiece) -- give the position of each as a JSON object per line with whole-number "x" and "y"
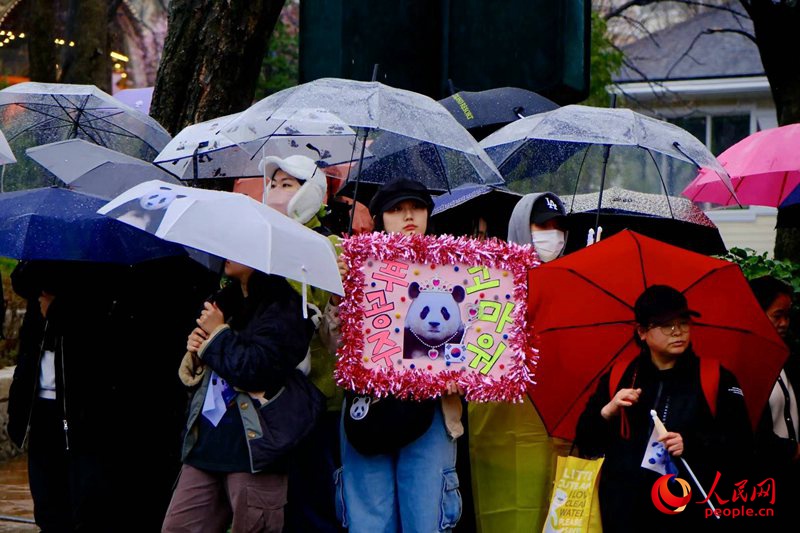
{"x": 727, "y": 130}
{"x": 718, "y": 133}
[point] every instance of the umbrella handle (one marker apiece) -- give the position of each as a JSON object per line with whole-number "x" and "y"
{"x": 265, "y": 190}
{"x": 305, "y": 292}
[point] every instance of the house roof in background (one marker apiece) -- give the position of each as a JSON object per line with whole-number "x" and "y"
{"x": 663, "y": 55}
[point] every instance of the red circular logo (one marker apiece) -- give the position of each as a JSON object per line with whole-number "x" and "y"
{"x": 663, "y": 498}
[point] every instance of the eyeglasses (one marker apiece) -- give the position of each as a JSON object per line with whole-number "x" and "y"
{"x": 669, "y": 329}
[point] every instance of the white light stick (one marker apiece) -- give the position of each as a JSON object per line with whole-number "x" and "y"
{"x": 590, "y": 237}
{"x": 661, "y": 430}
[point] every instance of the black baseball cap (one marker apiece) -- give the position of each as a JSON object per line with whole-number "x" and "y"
{"x": 394, "y": 192}
{"x": 659, "y": 304}
{"x": 546, "y": 207}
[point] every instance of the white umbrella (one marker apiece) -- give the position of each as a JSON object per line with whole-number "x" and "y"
{"x": 233, "y": 226}
{"x": 201, "y": 151}
{"x": 93, "y": 169}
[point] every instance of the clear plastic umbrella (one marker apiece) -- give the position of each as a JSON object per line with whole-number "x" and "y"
{"x": 409, "y": 134}
{"x": 580, "y": 149}
{"x": 92, "y": 169}
{"x": 32, "y": 114}
{"x": 201, "y": 151}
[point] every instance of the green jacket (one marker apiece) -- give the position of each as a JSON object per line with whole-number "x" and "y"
{"x": 323, "y": 359}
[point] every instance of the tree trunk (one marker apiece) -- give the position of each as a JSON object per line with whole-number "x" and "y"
{"x": 42, "y": 53}
{"x": 88, "y": 62}
{"x": 776, "y": 29}
{"x": 211, "y": 59}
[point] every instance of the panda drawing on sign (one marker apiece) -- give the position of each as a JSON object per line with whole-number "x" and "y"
{"x": 433, "y": 321}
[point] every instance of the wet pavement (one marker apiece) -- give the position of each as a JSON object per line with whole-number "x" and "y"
{"x": 15, "y": 497}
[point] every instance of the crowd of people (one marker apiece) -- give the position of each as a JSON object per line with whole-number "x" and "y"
{"x": 137, "y": 393}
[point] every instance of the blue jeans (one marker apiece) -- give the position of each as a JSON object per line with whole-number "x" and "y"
{"x": 414, "y": 489}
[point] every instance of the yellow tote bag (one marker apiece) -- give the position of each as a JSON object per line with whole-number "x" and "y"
{"x": 575, "y": 504}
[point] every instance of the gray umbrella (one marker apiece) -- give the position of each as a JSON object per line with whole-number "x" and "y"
{"x": 33, "y": 114}
{"x": 621, "y": 201}
{"x": 92, "y": 169}
{"x": 6, "y": 155}
{"x": 669, "y": 219}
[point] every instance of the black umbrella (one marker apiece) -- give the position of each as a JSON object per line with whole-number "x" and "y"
{"x": 459, "y": 212}
{"x": 670, "y": 219}
{"x": 482, "y": 112}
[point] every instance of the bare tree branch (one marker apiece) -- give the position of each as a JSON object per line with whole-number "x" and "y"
{"x": 624, "y": 7}
{"x": 633, "y": 3}
{"x": 661, "y": 92}
{"x": 635, "y": 23}
{"x": 687, "y": 52}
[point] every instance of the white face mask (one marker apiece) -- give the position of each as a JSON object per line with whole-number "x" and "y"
{"x": 549, "y": 243}
{"x": 278, "y": 199}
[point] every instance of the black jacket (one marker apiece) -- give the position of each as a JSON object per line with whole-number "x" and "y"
{"x": 267, "y": 338}
{"x": 722, "y": 443}
{"x": 78, "y": 329}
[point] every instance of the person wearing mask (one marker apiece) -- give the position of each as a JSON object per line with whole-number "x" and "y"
{"x": 407, "y": 486}
{"x": 777, "y": 448}
{"x": 540, "y": 219}
{"x": 666, "y": 377}
{"x": 513, "y": 489}
{"x": 298, "y": 188}
{"x": 251, "y": 337}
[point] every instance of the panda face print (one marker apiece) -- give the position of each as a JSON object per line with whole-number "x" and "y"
{"x": 147, "y": 211}
{"x": 159, "y": 199}
{"x": 360, "y": 407}
{"x": 434, "y": 317}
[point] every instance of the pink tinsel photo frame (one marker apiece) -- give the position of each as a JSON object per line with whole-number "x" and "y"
{"x": 421, "y": 312}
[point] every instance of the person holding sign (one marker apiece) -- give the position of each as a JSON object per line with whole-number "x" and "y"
{"x": 508, "y": 441}
{"x": 708, "y": 426}
{"x": 399, "y": 475}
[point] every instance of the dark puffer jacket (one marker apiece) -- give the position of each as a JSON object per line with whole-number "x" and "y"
{"x": 265, "y": 339}
{"x": 711, "y": 443}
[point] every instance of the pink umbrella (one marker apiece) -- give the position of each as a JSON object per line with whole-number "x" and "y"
{"x": 764, "y": 168}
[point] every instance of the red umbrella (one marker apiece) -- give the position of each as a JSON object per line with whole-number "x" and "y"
{"x": 581, "y": 307}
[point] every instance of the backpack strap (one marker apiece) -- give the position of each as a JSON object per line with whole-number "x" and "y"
{"x": 618, "y": 368}
{"x": 709, "y": 381}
